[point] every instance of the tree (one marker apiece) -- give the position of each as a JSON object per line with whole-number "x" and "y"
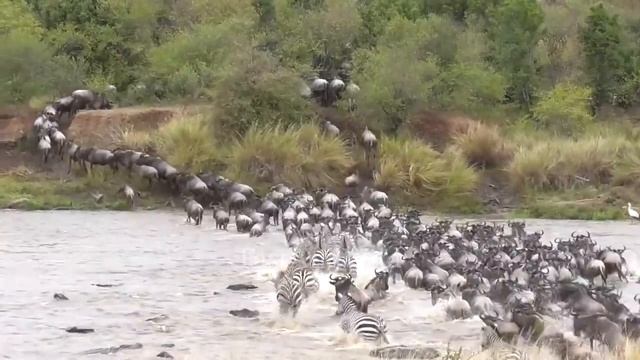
{"x": 516, "y": 28}
{"x": 604, "y": 54}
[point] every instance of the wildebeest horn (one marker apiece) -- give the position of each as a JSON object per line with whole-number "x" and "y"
{"x": 589, "y": 235}
{"x": 331, "y": 277}
{"x": 556, "y": 240}
{"x": 541, "y": 232}
{"x": 637, "y": 298}
{"x": 573, "y": 234}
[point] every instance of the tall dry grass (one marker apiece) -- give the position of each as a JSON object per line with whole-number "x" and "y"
{"x": 411, "y": 168}
{"x": 300, "y": 156}
{"x": 484, "y": 146}
{"x": 562, "y": 164}
{"x": 189, "y": 142}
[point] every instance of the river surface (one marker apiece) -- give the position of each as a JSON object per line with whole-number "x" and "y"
{"x": 162, "y": 266}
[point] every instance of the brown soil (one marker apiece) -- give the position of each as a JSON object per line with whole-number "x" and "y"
{"x": 98, "y": 128}
{"x": 438, "y": 128}
{"x": 15, "y": 122}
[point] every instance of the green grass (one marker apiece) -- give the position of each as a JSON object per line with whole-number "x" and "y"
{"x": 43, "y": 193}
{"x": 584, "y": 204}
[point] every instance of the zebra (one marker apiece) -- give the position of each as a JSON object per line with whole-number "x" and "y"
{"x": 307, "y": 281}
{"x": 346, "y": 262}
{"x": 500, "y": 350}
{"x": 368, "y": 327}
{"x": 347, "y": 265}
{"x": 289, "y": 295}
{"x": 323, "y": 259}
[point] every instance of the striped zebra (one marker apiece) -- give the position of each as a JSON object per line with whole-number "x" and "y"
{"x": 289, "y": 295}
{"x": 500, "y": 350}
{"x": 323, "y": 259}
{"x": 307, "y": 281}
{"x": 367, "y": 327}
{"x": 347, "y": 265}
{"x": 346, "y": 262}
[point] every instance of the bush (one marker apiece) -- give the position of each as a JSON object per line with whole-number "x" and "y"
{"x": 484, "y": 146}
{"x": 258, "y": 91}
{"x": 565, "y": 109}
{"x": 191, "y": 62}
{"x": 299, "y": 156}
{"x": 28, "y": 68}
{"x": 187, "y": 142}
{"x": 415, "y": 172}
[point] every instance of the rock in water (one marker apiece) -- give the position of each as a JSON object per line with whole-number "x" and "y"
{"x": 404, "y": 352}
{"x": 158, "y": 318}
{"x": 165, "y": 355}
{"x": 245, "y": 313}
{"x": 106, "y": 285}
{"x": 60, "y": 296}
{"x": 77, "y": 330}
{"x": 168, "y": 345}
{"x": 236, "y": 287}
{"x": 113, "y": 349}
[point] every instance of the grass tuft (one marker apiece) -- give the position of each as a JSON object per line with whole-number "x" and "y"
{"x": 484, "y": 146}
{"x": 300, "y": 156}
{"x": 415, "y": 172}
{"x": 188, "y": 142}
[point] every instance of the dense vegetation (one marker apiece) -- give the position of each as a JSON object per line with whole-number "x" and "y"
{"x": 555, "y": 84}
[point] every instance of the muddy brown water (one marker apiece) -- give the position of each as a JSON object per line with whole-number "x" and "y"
{"x": 162, "y": 266}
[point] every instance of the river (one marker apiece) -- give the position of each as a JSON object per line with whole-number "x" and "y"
{"x": 162, "y": 266}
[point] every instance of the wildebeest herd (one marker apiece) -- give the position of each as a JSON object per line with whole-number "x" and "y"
{"x": 512, "y": 280}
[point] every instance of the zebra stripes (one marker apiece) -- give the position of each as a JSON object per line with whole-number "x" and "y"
{"x": 323, "y": 260}
{"x": 307, "y": 281}
{"x": 499, "y": 349}
{"x": 289, "y": 295}
{"x": 347, "y": 265}
{"x": 368, "y": 327}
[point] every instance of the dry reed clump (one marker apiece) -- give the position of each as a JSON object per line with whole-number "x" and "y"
{"x": 128, "y": 138}
{"x": 484, "y": 146}
{"x": 561, "y": 164}
{"x": 300, "y": 156}
{"x": 415, "y": 169}
{"x": 188, "y": 142}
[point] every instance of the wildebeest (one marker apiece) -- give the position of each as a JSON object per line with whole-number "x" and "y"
{"x": 194, "y": 211}
{"x": 89, "y": 100}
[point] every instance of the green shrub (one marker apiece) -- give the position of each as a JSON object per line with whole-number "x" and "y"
{"x": 565, "y": 109}
{"x": 29, "y": 68}
{"x": 256, "y": 90}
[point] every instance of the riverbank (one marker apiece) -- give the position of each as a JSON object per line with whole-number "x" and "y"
{"x": 447, "y": 166}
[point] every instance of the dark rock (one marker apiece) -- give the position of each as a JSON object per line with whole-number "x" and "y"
{"x": 405, "y": 352}
{"x": 216, "y": 293}
{"x": 168, "y": 345}
{"x": 158, "y": 318}
{"x": 60, "y": 296}
{"x": 77, "y": 330}
{"x": 236, "y": 287}
{"x": 165, "y": 355}
{"x": 114, "y": 349}
{"x": 106, "y": 285}
{"x": 245, "y": 313}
